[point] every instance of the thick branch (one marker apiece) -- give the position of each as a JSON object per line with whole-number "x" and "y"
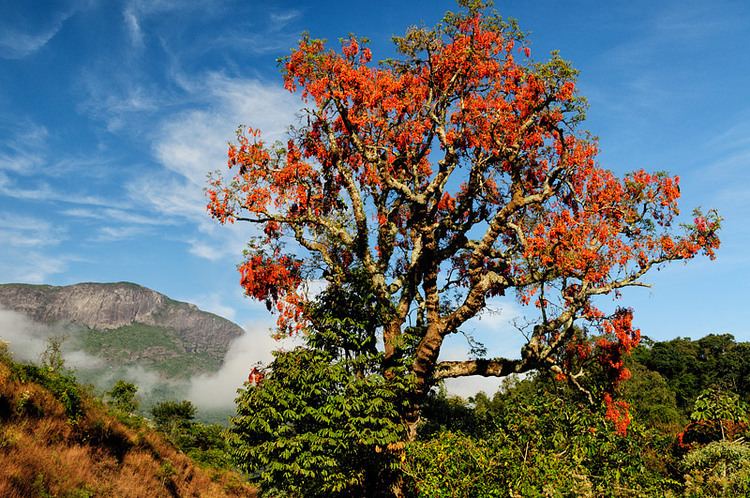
{"x": 497, "y": 367}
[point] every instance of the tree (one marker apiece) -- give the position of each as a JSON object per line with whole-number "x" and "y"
{"x": 172, "y": 415}
{"x": 122, "y": 396}
{"x": 451, "y": 175}
{"x": 323, "y": 420}
{"x": 52, "y": 357}
{"x": 543, "y": 441}
{"x": 714, "y": 405}
{"x": 690, "y": 367}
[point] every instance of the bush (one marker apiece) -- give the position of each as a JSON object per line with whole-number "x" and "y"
{"x": 122, "y": 396}
{"x": 60, "y": 383}
{"x": 721, "y": 468}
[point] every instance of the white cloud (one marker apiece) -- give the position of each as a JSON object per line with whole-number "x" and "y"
{"x": 25, "y": 252}
{"x": 495, "y": 330}
{"x": 193, "y": 142}
{"x": 17, "y": 230}
{"x": 27, "y": 340}
{"x": 470, "y": 386}
{"x": 133, "y": 26}
{"x": 32, "y": 267}
{"x": 19, "y": 149}
{"x": 281, "y": 19}
{"x": 120, "y": 215}
{"x": 120, "y": 98}
{"x": 215, "y": 303}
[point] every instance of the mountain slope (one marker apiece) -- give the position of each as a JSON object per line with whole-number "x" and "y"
{"x": 56, "y": 440}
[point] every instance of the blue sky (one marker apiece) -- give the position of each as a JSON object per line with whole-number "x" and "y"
{"x": 112, "y": 113}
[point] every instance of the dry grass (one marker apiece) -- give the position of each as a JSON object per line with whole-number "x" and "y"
{"x": 43, "y": 453}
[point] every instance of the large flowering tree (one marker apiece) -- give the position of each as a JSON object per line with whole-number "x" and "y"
{"x": 451, "y": 175}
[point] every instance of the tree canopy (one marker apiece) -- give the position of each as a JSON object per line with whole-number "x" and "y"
{"x": 454, "y": 173}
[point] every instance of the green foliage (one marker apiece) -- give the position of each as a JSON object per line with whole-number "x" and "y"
{"x": 717, "y": 414}
{"x": 715, "y": 404}
{"x": 152, "y": 347}
{"x": 325, "y": 421}
{"x": 52, "y": 358}
{"x": 122, "y": 396}
{"x": 206, "y": 444}
{"x": 60, "y": 383}
{"x": 653, "y": 403}
{"x": 721, "y": 468}
{"x": 314, "y": 428}
{"x": 536, "y": 439}
{"x": 169, "y": 414}
{"x": 453, "y": 464}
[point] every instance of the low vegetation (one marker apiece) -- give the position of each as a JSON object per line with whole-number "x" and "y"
{"x": 58, "y": 439}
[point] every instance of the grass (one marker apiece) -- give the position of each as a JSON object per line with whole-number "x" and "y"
{"x": 44, "y": 451}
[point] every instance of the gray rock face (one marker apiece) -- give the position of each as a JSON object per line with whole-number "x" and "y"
{"x": 109, "y": 306}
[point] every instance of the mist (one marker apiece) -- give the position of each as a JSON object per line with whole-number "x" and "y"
{"x": 27, "y": 340}
{"x": 217, "y": 391}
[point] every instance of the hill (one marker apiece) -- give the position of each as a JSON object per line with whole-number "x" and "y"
{"x": 128, "y": 324}
{"x": 57, "y": 440}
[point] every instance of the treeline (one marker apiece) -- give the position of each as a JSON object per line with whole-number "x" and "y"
{"x": 689, "y": 367}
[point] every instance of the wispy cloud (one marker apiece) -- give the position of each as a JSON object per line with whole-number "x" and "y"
{"x": 119, "y": 99}
{"x": 669, "y": 29}
{"x": 19, "y": 150}
{"x": 281, "y": 19}
{"x": 119, "y": 215}
{"x": 17, "y": 42}
{"x": 27, "y": 252}
{"x": 42, "y": 191}
{"x": 112, "y": 234}
{"x": 134, "y": 27}
{"x": 19, "y": 230}
{"x": 214, "y": 303}
{"x": 35, "y": 267}
{"x": 192, "y": 143}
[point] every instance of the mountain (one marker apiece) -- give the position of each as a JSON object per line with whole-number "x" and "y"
{"x": 128, "y": 325}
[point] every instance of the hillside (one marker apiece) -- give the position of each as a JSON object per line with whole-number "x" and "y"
{"x": 128, "y": 324}
{"x": 56, "y": 440}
